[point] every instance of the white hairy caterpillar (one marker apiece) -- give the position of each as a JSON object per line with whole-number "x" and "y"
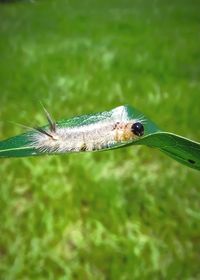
{"x": 108, "y": 130}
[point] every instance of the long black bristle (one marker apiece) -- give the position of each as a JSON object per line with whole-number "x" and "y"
{"x": 41, "y": 130}
{"x": 51, "y": 122}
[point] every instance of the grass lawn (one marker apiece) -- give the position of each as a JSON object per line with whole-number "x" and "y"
{"x": 126, "y": 214}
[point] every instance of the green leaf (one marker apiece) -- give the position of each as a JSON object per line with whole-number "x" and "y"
{"x": 179, "y": 148}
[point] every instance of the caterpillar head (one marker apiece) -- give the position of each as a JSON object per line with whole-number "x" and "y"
{"x": 137, "y": 128}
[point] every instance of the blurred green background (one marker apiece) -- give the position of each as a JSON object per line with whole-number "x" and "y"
{"x": 126, "y": 214}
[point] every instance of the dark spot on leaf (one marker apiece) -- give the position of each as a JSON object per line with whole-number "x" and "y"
{"x": 191, "y": 161}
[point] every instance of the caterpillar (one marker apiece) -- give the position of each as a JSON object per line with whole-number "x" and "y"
{"x": 108, "y": 129}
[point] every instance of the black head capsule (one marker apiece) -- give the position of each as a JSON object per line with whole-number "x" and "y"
{"x": 137, "y": 128}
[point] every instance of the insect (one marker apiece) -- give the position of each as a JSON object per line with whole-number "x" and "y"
{"x": 108, "y": 129}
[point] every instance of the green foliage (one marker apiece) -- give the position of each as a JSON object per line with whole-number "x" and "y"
{"x": 126, "y": 214}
